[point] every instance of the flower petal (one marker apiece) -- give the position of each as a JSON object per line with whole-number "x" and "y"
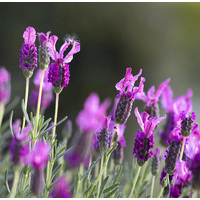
{"x": 29, "y": 36}
{"x": 75, "y": 49}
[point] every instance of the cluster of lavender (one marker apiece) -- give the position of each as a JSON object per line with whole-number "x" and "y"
{"x": 92, "y": 165}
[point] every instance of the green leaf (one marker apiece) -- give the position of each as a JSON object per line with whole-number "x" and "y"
{"x": 55, "y": 171}
{"x": 41, "y": 120}
{"x": 112, "y": 149}
{"x": 11, "y": 129}
{"x": 25, "y": 113}
{"x": 6, "y": 179}
{"x": 88, "y": 190}
{"x": 45, "y": 131}
{"x": 91, "y": 193}
{"x": 103, "y": 185}
{"x": 91, "y": 167}
{"x": 44, "y": 125}
{"x": 112, "y": 192}
{"x": 112, "y": 187}
{"x": 119, "y": 170}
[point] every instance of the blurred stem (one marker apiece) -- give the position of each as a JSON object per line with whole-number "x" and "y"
{"x": 96, "y": 172}
{"x": 152, "y": 186}
{"x": 26, "y": 101}
{"x": 113, "y": 137}
{"x": 135, "y": 181}
{"x": 100, "y": 175}
{"x": 195, "y": 193}
{"x": 80, "y": 172}
{"x": 15, "y": 182}
{"x": 38, "y": 108}
{"x": 161, "y": 191}
{"x": 23, "y": 185}
{"x": 182, "y": 149}
{"x": 2, "y": 109}
{"x": 51, "y": 163}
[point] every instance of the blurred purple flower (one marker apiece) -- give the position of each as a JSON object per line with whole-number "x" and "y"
{"x": 44, "y": 39}
{"x": 5, "y": 86}
{"x": 61, "y": 189}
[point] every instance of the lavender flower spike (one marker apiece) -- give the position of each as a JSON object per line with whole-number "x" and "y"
{"x": 144, "y": 140}
{"x": 28, "y": 54}
{"x": 127, "y": 93}
{"x": 44, "y": 57}
{"x": 59, "y": 69}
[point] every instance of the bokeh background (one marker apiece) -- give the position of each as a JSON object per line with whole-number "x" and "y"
{"x": 161, "y": 38}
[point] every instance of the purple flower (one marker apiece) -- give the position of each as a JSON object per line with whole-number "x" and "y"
{"x": 39, "y": 156}
{"x": 61, "y": 189}
{"x": 174, "y": 191}
{"x": 28, "y": 54}
{"x": 44, "y": 39}
{"x": 152, "y": 97}
{"x": 89, "y": 119}
{"x": 127, "y": 93}
{"x": 19, "y": 148}
{"x": 5, "y": 86}
{"x": 144, "y": 140}
{"x": 59, "y": 69}
{"x": 156, "y": 152}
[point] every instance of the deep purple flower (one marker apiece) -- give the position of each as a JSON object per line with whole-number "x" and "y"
{"x": 19, "y": 148}
{"x": 155, "y": 163}
{"x": 89, "y": 119}
{"x": 5, "y": 86}
{"x": 144, "y": 140}
{"x": 28, "y": 54}
{"x": 127, "y": 93}
{"x": 39, "y": 156}
{"x": 61, "y": 189}
{"x": 59, "y": 69}
{"x": 174, "y": 191}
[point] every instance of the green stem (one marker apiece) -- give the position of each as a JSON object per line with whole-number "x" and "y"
{"x": 15, "y": 182}
{"x": 96, "y": 170}
{"x": 113, "y": 137}
{"x": 38, "y": 108}
{"x": 100, "y": 174}
{"x": 79, "y": 180}
{"x": 2, "y": 109}
{"x": 23, "y": 185}
{"x": 182, "y": 149}
{"x": 49, "y": 170}
{"x": 135, "y": 181}
{"x": 161, "y": 192}
{"x": 152, "y": 186}
{"x": 195, "y": 193}
{"x": 26, "y": 101}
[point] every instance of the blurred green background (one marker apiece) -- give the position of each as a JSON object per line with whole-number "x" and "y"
{"x": 161, "y": 38}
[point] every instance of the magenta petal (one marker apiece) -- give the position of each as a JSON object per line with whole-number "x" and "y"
{"x": 139, "y": 119}
{"x": 29, "y": 36}
{"x": 75, "y": 49}
{"x": 52, "y": 47}
{"x": 63, "y": 48}
{"x": 150, "y": 93}
{"x": 161, "y": 88}
{"x": 166, "y": 99}
{"x": 43, "y": 39}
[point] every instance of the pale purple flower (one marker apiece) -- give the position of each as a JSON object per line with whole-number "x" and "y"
{"x": 89, "y": 119}
{"x": 19, "y": 148}
{"x": 39, "y": 156}
{"x": 152, "y": 97}
{"x": 61, "y": 189}
{"x": 44, "y": 39}
{"x": 5, "y": 86}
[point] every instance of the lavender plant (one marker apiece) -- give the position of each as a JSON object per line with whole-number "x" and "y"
{"x": 89, "y": 163}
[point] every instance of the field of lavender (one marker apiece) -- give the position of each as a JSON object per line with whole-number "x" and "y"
{"x": 35, "y": 163}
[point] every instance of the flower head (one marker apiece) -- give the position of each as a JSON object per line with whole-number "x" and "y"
{"x": 39, "y": 156}
{"x": 61, "y": 189}
{"x": 59, "y": 69}
{"x": 5, "y": 86}
{"x": 28, "y": 54}
{"x": 144, "y": 140}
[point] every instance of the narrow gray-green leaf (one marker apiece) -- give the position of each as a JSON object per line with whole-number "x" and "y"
{"x": 91, "y": 167}
{"x": 119, "y": 170}
{"x": 25, "y": 113}
{"x": 55, "y": 171}
{"x": 112, "y": 192}
{"x": 112, "y": 149}
{"x": 112, "y": 187}
{"x": 6, "y": 179}
{"x": 103, "y": 185}
{"x": 11, "y": 129}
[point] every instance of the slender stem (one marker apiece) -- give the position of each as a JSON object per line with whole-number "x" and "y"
{"x": 26, "y": 100}
{"x": 195, "y": 193}
{"x": 2, "y": 109}
{"x": 135, "y": 181}
{"x": 49, "y": 169}
{"x": 96, "y": 170}
{"x": 15, "y": 182}
{"x": 38, "y": 108}
{"x": 113, "y": 137}
{"x": 23, "y": 185}
{"x": 152, "y": 186}
{"x": 55, "y": 117}
{"x": 182, "y": 149}
{"x": 100, "y": 174}
{"x": 161, "y": 192}
{"x": 79, "y": 180}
